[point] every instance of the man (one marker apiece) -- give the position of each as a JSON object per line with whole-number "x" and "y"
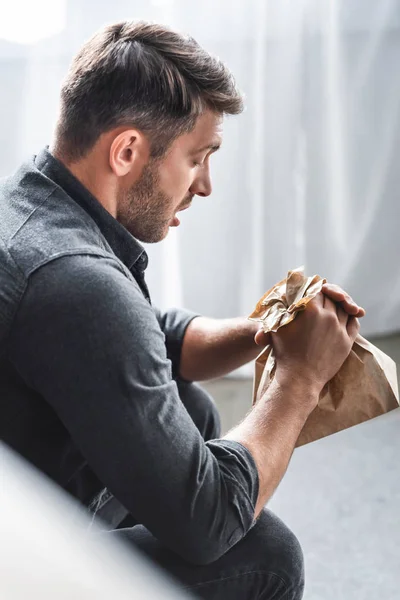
{"x": 96, "y": 384}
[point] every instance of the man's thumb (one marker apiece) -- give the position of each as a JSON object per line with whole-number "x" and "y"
{"x": 261, "y": 338}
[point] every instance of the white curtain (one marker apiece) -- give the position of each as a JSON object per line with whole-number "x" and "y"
{"x": 307, "y": 175}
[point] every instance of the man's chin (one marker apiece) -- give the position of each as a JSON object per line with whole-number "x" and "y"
{"x": 153, "y": 237}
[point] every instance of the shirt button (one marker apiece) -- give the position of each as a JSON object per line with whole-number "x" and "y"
{"x": 142, "y": 261}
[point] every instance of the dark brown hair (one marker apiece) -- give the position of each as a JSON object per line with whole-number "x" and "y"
{"x": 143, "y": 75}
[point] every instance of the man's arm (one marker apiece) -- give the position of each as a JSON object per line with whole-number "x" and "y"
{"x": 174, "y": 323}
{"x": 308, "y": 352}
{"x": 88, "y": 343}
{"x": 90, "y": 346}
{"x": 214, "y": 347}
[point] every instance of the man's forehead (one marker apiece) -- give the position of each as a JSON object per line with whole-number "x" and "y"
{"x": 207, "y": 133}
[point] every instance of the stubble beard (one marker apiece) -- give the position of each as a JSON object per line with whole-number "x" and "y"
{"x": 144, "y": 208}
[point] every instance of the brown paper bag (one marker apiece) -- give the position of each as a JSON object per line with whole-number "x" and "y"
{"x": 365, "y": 386}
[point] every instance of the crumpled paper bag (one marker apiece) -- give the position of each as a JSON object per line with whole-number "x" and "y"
{"x": 365, "y": 386}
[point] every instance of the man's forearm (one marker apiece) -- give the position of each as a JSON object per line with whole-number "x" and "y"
{"x": 271, "y": 430}
{"x": 214, "y": 347}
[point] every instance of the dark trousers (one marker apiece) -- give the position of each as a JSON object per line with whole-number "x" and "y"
{"x": 265, "y": 565}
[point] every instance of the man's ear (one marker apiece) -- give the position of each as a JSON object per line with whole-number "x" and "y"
{"x": 129, "y": 152}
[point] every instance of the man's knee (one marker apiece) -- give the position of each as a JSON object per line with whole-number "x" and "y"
{"x": 202, "y": 409}
{"x": 280, "y": 554}
{"x": 267, "y": 563}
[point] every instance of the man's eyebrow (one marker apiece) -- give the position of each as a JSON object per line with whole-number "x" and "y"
{"x": 212, "y": 147}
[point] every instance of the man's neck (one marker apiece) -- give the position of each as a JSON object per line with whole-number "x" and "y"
{"x": 91, "y": 173}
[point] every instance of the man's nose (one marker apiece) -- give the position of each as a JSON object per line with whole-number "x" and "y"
{"x": 202, "y": 184}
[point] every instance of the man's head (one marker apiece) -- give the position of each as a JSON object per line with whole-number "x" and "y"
{"x": 141, "y": 113}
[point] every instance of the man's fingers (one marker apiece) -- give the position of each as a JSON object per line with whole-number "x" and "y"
{"x": 330, "y": 305}
{"x": 261, "y": 338}
{"x": 334, "y": 291}
{"x": 341, "y": 314}
{"x": 352, "y": 309}
{"x": 353, "y": 327}
{"x": 338, "y": 295}
{"x": 334, "y": 303}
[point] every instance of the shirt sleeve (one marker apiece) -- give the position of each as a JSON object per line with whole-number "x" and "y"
{"x": 173, "y": 323}
{"x": 89, "y": 343}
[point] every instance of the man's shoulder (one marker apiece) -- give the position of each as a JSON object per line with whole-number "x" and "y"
{"x": 40, "y": 222}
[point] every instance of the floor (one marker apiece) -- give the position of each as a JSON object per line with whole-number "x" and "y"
{"x": 341, "y": 496}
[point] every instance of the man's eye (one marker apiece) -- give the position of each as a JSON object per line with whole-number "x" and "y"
{"x": 196, "y": 164}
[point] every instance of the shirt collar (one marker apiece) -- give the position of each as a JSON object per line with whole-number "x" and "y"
{"x": 124, "y": 245}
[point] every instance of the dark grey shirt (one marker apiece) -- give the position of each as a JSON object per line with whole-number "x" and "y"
{"x": 88, "y": 368}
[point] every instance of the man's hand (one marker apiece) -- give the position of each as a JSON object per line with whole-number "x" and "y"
{"x": 312, "y": 348}
{"x": 309, "y": 351}
{"x": 335, "y": 293}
